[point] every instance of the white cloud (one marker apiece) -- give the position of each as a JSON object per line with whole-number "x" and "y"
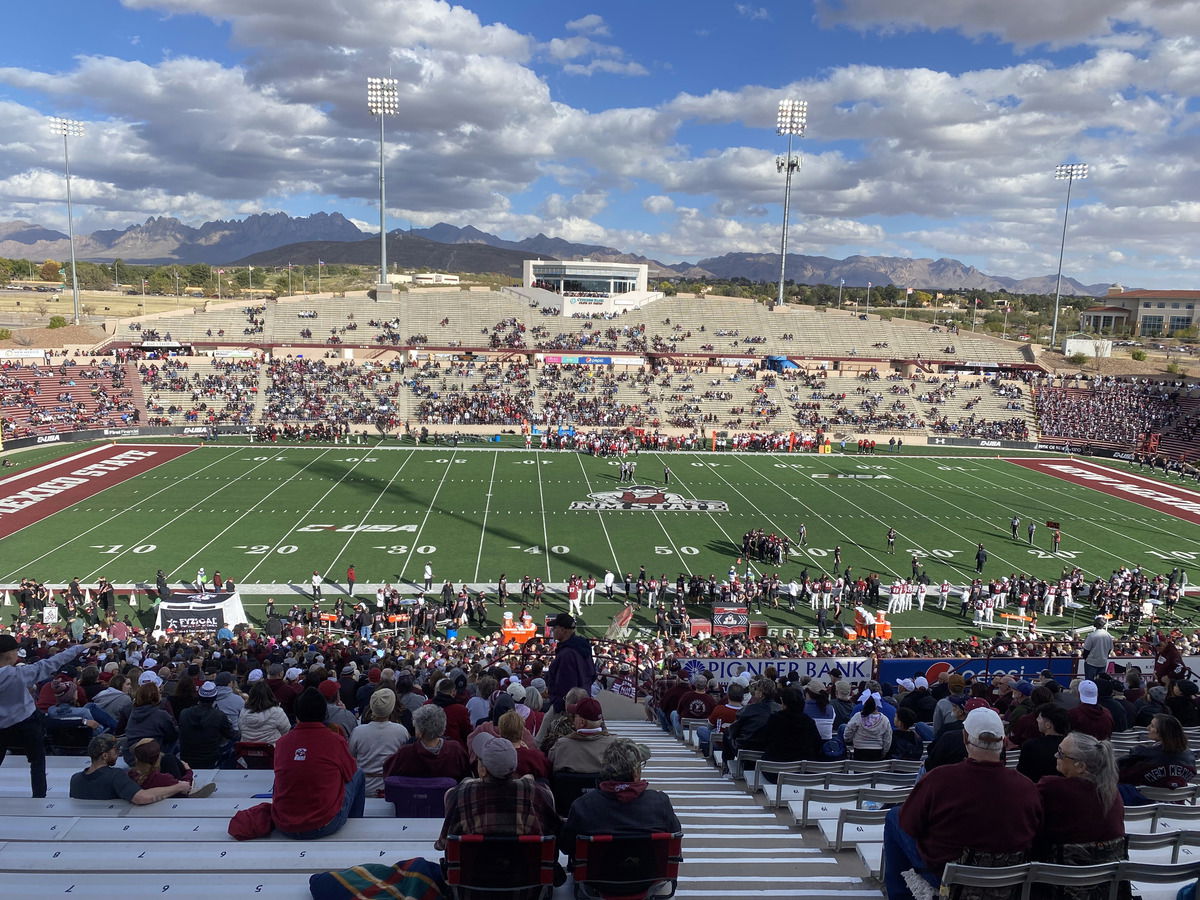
{"x": 754, "y": 13}
{"x": 1024, "y": 23}
{"x": 608, "y": 66}
{"x": 658, "y": 204}
{"x": 589, "y": 24}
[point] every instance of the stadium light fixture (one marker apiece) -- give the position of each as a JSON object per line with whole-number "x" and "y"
{"x": 383, "y": 100}
{"x": 793, "y": 117}
{"x": 1064, "y": 172}
{"x": 69, "y": 128}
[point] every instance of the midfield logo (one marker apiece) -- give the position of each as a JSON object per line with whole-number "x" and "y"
{"x": 647, "y": 497}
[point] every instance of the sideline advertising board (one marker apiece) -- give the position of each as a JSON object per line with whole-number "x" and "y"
{"x": 856, "y": 668}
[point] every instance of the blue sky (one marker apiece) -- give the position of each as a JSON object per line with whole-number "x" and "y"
{"x": 933, "y": 129}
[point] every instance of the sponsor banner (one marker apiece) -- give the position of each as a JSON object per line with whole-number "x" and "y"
{"x": 580, "y": 360}
{"x": 21, "y": 353}
{"x": 892, "y": 670}
{"x": 1067, "y": 447}
{"x": 648, "y": 498}
{"x": 95, "y": 434}
{"x": 941, "y": 441}
{"x": 735, "y": 362}
{"x": 856, "y": 668}
{"x": 188, "y": 619}
{"x": 234, "y": 354}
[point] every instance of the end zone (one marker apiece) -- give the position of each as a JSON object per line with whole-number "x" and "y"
{"x": 39, "y": 493}
{"x": 1157, "y": 495}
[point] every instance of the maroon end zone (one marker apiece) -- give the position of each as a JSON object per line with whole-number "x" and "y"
{"x": 41, "y": 492}
{"x": 1156, "y": 495}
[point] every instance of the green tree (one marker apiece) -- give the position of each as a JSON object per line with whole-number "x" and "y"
{"x": 58, "y": 321}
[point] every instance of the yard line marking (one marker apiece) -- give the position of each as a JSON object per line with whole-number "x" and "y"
{"x": 1092, "y": 498}
{"x": 416, "y": 542}
{"x": 108, "y": 521}
{"x": 599, "y": 515}
{"x": 251, "y": 508}
{"x": 542, "y": 502}
{"x": 938, "y": 501}
{"x": 720, "y": 527}
{"x": 246, "y": 578}
{"x": 486, "y": 507}
{"x": 1001, "y": 523}
{"x": 367, "y": 514}
{"x": 851, "y": 540}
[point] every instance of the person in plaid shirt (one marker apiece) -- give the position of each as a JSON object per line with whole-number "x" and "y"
{"x": 495, "y": 802}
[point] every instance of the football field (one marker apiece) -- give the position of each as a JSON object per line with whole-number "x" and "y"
{"x": 271, "y": 515}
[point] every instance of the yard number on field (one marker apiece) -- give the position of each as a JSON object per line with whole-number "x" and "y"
{"x": 118, "y": 548}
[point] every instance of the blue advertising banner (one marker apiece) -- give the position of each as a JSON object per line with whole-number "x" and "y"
{"x": 892, "y": 670}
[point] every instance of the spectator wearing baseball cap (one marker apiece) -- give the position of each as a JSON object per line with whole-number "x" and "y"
{"x": 583, "y": 749}
{"x": 939, "y": 820}
{"x": 497, "y": 802}
{"x": 571, "y": 667}
{"x": 919, "y": 700}
{"x": 206, "y": 736}
{"x": 1089, "y": 716}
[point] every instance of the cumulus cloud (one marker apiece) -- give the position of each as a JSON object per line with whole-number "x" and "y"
{"x": 754, "y": 13}
{"x": 589, "y": 24}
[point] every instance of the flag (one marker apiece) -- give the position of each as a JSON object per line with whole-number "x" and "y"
{"x": 290, "y": 266}
{"x": 220, "y": 271}
{"x": 908, "y": 292}
{"x": 868, "y": 284}
{"x": 320, "y": 262}
{"x": 978, "y": 301}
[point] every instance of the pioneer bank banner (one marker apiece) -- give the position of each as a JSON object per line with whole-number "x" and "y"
{"x": 856, "y": 668}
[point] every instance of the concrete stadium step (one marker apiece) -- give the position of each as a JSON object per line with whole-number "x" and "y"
{"x": 181, "y": 829}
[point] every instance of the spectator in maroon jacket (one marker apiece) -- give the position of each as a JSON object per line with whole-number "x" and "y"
{"x": 458, "y": 720}
{"x": 1089, "y": 716}
{"x": 696, "y": 703}
{"x": 432, "y": 754}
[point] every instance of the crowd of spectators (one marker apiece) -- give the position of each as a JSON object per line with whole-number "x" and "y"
{"x": 36, "y": 399}
{"x": 225, "y": 393}
{"x": 1105, "y": 410}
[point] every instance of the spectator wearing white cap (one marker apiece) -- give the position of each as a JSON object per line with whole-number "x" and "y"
{"x": 372, "y": 743}
{"x": 919, "y": 700}
{"x": 206, "y": 733}
{"x": 940, "y": 818}
{"x": 1089, "y": 716}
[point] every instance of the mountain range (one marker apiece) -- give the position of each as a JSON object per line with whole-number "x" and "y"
{"x": 267, "y": 239}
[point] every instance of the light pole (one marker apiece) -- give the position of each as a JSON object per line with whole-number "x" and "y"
{"x": 383, "y": 100}
{"x": 1068, "y": 171}
{"x": 868, "y": 309}
{"x": 793, "y": 116}
{"x": 841, "y": 284}
{"x": 69, "y": 128}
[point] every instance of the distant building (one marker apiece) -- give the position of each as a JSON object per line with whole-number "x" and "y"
{"x": 434, "y": 278}
{"x": 587, "y": 287}
{"x": 1146, "y": 313}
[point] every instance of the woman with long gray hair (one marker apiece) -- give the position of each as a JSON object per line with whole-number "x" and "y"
{"x": 1081, "y": 805}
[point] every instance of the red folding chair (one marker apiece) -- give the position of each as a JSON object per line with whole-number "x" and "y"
{"x": 500, "y": 867}
{"x": 627, "y": 866}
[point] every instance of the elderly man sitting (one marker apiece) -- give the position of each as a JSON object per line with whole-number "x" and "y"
{"x": 624, "y": 803}
{"x": 432, "y": 754}
{"x": 583, "y": 749}
{"x": 940, "y": 819}
{"x": 496, "y": 802}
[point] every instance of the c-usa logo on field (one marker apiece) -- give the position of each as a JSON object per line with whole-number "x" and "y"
{"x": 647, "y": 497}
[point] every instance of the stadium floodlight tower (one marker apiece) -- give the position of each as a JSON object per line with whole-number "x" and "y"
{"x": 69, "y": 128}
{"x": 1068, "y": 172}
{"x": 793, "y": 116}
{"x": 383, "y": 100}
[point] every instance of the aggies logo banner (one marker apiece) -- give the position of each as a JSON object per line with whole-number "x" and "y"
{"x": 647, "y": 497}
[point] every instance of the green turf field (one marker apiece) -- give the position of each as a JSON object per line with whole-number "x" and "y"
{"x": 271, "y": 515}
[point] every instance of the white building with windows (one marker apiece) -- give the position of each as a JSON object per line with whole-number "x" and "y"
{"x": 587, "y": 287}
{"x": 1144, "y": 313}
